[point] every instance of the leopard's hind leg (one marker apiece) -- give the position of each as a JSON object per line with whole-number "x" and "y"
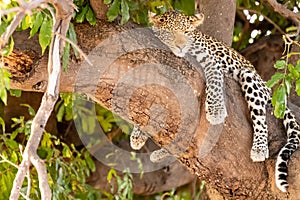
{"x": 257, "y": 96}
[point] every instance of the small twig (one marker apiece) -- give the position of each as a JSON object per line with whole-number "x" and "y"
{"x": 42, "y": 174}
{"x": 23, "y": 10}
{"x": 8, "y": 161}
{"x": 11, "y": 28}
{"x": 245, "y": 28}
{"x": 24, "y": 196}
{"x": 28, "y": 184}
{"x": 76, "y": 47}
{"x": 21, "y": 2}
{"x": 11, "y": 10}
{"x": 266, "y": 18}
{"x": 285, "y": 12}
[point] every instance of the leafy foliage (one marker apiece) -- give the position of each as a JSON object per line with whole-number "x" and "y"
{"x": 137, "y": 10}
{"x": 283, "y": 81}
{"x": 124, "y": 183}
{"x": 85, "y": 12}
{"x": 45, "y": 35}
{"x": 107, "y": 120}
{"x": 67, "y": 167}
{"x": 4, "y": 84}
{"x": 252, "y": 23}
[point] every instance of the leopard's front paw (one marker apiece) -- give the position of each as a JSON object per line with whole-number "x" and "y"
{"x": 159, "y": 155}
{"x": 137, "y": 138}
{"x": 259, "y": 153}
{"x": 216, "y": 115}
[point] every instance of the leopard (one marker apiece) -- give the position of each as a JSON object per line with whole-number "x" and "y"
{"x": 180, "y": 33}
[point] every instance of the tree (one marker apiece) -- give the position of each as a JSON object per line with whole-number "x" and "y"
{"x": 227, "y": 166}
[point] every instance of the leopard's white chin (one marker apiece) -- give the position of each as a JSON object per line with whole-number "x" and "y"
{"x": 179, "y": 53}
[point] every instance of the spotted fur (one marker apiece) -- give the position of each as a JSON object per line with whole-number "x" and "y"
{"x": 293, "y": 142}
{"x": 179, "y": 33}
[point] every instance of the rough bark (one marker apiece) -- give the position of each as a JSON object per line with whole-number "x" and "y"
{"x": 227, "y": 167}
{"x": 219, "y": 18}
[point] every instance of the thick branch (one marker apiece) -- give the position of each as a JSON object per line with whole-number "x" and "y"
{"x": 227, "y": 166}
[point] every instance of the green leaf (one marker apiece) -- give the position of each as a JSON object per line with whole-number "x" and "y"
{"x": 42, "y": 152}
{"x": 15, "y": 92}
{"x": 90, "y": 17}
{"x": 6, "y": 78}
{"x": 113, "y": 10}
{"x": 60, "y": 113}
{"x": 280, "y": 64}
{"x": 72, "y": 37}
{"x": 298, "y": 66}
{"x": 275, "y": 79}
{"x": 107, "y": 1}
{"x": 26, "y": 22}
{"x": 298, "y": 87}
{"x": 124, "y": 11}
{"x": 66, "y": 56}
{"x": 186, "y": 6}
{"x": 31, "y": 111}
{"x": 14, "y": 135}
{"x": 3, "y": 27}
{"x": 2, "y": 123}
{"x": 45, "y": 33}
{"x": 3, "y": 95}
{"x": 89, "y": 161}
{"x": 14, "y": 157}
{"x": 9, "y": 47}
{"x": 91, "y": 124}
{"x": 11, "y": 144}
{"x": 288, "y": 83}
{"x": 279, "y": 101}
{"x": 80, "y": 17}
{"x": 291, "y": 29}
{"x": 293, "y": 70}
{"x": 37, "y": 24}
{"x": 112, "y": 173}
{"x": 67, "y": 153}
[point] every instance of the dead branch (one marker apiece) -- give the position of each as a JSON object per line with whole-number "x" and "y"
{"x": 285, "y": 12}
{"x": 62, "y": 18}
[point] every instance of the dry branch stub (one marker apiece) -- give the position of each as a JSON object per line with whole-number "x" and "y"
{"x": 161, "y": 99}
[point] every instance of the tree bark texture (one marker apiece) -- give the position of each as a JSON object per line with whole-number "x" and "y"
{"x": 227, "y": 167}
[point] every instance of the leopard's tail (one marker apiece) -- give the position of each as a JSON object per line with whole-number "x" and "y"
{"x": 293, "y": 140}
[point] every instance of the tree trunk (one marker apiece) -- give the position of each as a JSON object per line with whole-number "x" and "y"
{"x": 220, "y": 155}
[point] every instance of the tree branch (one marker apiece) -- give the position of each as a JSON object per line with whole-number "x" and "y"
{"x": 266, "y": 18}
{"x": 285, "y": 12}
{"x": 62, "y": 17}
{"x": 227, "y": 166}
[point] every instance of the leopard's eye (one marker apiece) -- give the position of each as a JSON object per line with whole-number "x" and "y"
{"x": 161, "y": 19}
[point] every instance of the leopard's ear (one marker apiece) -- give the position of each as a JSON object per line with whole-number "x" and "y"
{"x": 151, "y": 16}
{"x": 199, "y": 19}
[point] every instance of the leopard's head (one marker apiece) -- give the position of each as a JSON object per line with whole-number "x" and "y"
{"x": 176, "y": 21}
{"x": 173, "y": 29}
